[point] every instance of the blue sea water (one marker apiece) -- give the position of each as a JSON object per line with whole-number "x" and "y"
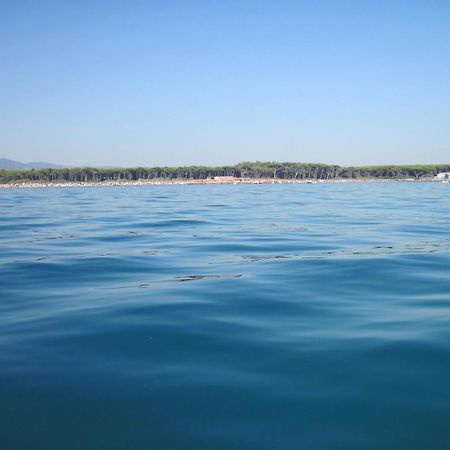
{"x": 225, "y": 317}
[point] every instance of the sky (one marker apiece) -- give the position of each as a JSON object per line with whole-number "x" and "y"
{"x": 221, "y": 81}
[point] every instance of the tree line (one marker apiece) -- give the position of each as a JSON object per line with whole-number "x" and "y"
{"x": 276, "y": 170}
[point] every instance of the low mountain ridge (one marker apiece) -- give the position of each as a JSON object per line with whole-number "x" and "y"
{"x": 10, "y": 164}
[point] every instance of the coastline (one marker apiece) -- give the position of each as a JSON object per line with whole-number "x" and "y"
{"x": 110, "y": 183}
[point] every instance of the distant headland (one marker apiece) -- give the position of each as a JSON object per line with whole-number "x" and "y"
{"x": 245, "y": 172}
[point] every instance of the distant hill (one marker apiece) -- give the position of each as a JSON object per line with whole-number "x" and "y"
{"x": 10, "y": 164}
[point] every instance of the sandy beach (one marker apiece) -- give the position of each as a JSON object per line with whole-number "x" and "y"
{"x": 28, "y": 185}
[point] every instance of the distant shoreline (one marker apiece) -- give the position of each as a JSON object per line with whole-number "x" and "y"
{"x": 247, "y": 181}
{"x": 258, "y": 172}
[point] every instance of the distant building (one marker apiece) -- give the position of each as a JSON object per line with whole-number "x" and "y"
{"x": 443, "y": 176}
{"x": 225, "y": 179}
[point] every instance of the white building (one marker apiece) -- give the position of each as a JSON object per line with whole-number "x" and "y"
{"x": 443, "y": 176}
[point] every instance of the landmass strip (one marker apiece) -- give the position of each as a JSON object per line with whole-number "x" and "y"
{"x": 246, "y": 172}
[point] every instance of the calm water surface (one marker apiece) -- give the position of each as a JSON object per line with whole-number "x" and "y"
{"x": 225, "y": 317}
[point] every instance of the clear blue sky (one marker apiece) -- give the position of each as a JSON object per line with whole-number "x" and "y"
{"x": 219, "y": 81}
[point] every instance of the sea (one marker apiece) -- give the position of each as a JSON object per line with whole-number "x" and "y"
{"x": 273, "y": 316}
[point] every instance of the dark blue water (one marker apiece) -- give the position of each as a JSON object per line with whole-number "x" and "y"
{"x": 225, "y": 317}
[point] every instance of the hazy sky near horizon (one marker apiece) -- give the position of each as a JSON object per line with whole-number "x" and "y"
{"x": 218, "y": 82}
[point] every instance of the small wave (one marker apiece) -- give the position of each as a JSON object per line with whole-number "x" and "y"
{"x": 206, "y": 277}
